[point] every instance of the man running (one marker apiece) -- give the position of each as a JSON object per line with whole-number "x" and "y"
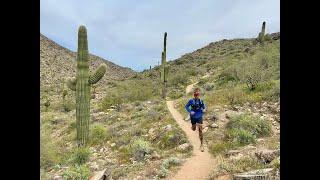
{"x": 196, "y": 112}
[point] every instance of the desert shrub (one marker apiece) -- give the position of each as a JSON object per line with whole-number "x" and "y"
{"x": 244, "y": 128}
{"x": 273, "y": 94}
{"x": 250, "y": 75}
{"x": 98, "y": 134}
{"x": 177, "y": 79}
{"x": 68, "y": 106}
{"x": 79, "y": 156}
{"x": 49, "y": 152}
{"x": 43, "y": 174}
{"x": 276, "y": 163}
{"x": 240, "y": 165}
{"x": 191, "y": 72}
{"x": 166, "y": 164}
{"x": 175, "y": 93}
{"x": 78, "y": 172}
{"x": 153, "y": 115}
{"x": 229, "y": 74}
{"x": 221, "y": 147}
{"x": 241, "y": 136}
{"x": 139, "y": 149}
{"x": 171, "y": 139}
{"x": 129, "y": 91}
{"x": 203, "y": 81}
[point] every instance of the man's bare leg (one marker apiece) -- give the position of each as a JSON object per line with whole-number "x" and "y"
{"x": 193, "y": 127}
{"x": 201, "y": 136}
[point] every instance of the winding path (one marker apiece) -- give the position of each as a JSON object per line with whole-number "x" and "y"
{"x": 201, "y": 164}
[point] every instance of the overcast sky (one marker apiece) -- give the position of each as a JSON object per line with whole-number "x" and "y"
{"x": 130, "y": 33}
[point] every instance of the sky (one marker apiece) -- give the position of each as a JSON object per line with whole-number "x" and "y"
{"x": 130, "y": 32}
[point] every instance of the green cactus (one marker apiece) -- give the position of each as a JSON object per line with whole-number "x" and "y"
{"x": 261, "y": 36}
{"x": 164, "y": 67}
{"x": 82, "y": 84}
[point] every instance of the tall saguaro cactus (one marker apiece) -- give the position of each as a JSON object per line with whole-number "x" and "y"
{"x": 164, "y": 67}
{"x": 262, "y": 33}
{"x": 81, "y": 84}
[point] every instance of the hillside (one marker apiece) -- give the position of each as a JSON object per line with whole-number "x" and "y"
{"x": 58, "y": 63}
{"x": 135, "y": 136}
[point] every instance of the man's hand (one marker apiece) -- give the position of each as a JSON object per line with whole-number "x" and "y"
{"x": 204, "y": 110}
{"x": 192, "y": 113}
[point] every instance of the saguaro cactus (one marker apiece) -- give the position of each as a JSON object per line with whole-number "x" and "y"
{"x": 262, "y": 33}
{"x": 164, "y": 67}
{"x": 81, "y": 84}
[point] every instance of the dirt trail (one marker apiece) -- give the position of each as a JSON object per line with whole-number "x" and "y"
{"x": 189, "y": 88}
{"x": 201, "y": 164}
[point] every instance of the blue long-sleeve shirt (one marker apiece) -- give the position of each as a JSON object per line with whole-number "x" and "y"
{"x": 197, "y": 106}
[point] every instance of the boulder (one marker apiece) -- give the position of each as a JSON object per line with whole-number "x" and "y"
{"x": 214, "y": 125}
{"x": 267, "y": 156}
{"x": 155, "y": 155}
{"x": 113, "y": 145}
{"x": 94, "y": 166}
{"x": 233, "y": 152}
{"x": 260, "y": 174}
{"x": 101, "y": 175}
{"x": 57, "y": 177}
{"x": 184, "y": 147}
{"x": 168, "y": 127}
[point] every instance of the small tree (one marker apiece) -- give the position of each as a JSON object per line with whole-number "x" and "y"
{"x": 250, "y": 74}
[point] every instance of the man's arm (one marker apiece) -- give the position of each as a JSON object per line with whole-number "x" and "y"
{"x": 203, "y": 107}
{"x": 187, "y": 107}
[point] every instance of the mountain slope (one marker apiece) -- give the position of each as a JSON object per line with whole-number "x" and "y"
{"x": 58, "y": 63}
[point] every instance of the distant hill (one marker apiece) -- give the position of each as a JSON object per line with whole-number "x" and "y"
{"x": 218, "y": 50}
{"x": 58, "y": 63}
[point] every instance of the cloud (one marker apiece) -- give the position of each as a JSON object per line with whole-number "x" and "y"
{"x": 130, "y": 33}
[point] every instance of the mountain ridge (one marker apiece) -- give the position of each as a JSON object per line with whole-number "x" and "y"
{"x": 58, "y": 63}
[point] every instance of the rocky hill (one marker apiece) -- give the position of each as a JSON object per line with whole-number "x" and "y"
{"x": 57, "y": 63}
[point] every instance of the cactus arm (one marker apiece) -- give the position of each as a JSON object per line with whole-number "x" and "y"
{"x": 98, "y": 74}
{"x": 71, "y": 83}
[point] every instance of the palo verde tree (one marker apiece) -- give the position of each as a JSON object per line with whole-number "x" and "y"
{"x": 82, "y": 84}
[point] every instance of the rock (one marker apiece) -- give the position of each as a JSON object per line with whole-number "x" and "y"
{"x": 101, "y": 162}
{"x": 57, "y": 177}
{"x": 101, "y": 150}
{"x": 168, "y": 127}
{"x": 155, "y": 155}
{"x": 187, "y": 118}
{"x": 260, "y": 140}
{"x": 255, "y": 174}
{"x": 249, "y": 147}
{"x": 94, "y": 166}
{"x": 214, "y": 125}
{"x": 151, "y": 131}
{"x": 205, "y": 129}
{"x": 267, "y": 156}
{"x": 102, "y": 175}
{"x": 232, "y": 152}
{"x": 184, "y": 147}
{"x": 113, "y": 145}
